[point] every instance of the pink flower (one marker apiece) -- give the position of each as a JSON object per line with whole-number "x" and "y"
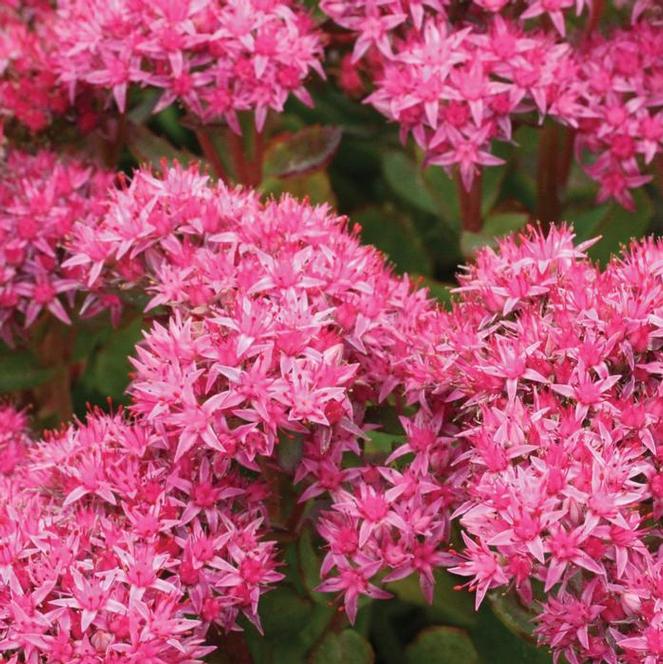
{"x": 554, "y": 9}
{"x": 457, "y": 85}
{"x": 465, "y": 150}
{"x": 123, "y": 581}
{"x": 13, "y": 438}
{"x": 353, "y": 582}
{"x": 282, "y": 328}
{"x": 29, "y": 90}
{"x": 42, "y": 198}
{"x": 558, "y": 459}
{"x": 483, "y": 566}
{"x": 215, "y": 58}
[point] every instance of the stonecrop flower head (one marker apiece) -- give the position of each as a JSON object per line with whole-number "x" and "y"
{"x": 29, "y": 90}
{"x": 284, "y": 328}
{"x": 112, "y": 551}
{"x": 41, "y": 197}
{"x": 378, "y": 21}
{"x": 458, "y": 78}
{"x": 619, "y": 114}
{"x": 216, "y": 57}
{"x": 456, "y": 90}
{"x": 557, "y": 368}
{"x": 13, "y": 438}
{"x": 289, "y": 384}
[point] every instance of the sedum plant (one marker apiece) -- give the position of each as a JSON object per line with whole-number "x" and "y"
{"x": 232, "y": 430}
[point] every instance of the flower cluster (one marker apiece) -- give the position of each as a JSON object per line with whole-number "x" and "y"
{"x": 114, "y": 552}
{"x": 41, "y": 197}
{"x": 374, "y": 20}
{"x": 13, "y": 438}
{"x": 387, "y": 516}
{"x": 29, "y": 90}
{"x": 217, "y": 58}
{"x": 288, "y": 383}
{"x": 283, "y": 347}
{"x": 557, "y": 368}
{"x": 618, "y": 110}
{"x": 457, "y": 90}
{"x": 458, "y": 82}
{"x": 285, "y": 328}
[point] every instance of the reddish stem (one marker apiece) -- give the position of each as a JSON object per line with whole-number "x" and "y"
{"x": 258, "y": 157}
{"x": 566, "y": 158}
{"x": 548, "y": 176}
{"x": 595, "y": 12}
{"x": 114, "y": 147}
{"x": 658, "y": 172}
{"x": 53, "y": 398}
{"x": 295, "y": 519}
{"x": 239, "y": 158}
{"x": 212, "y": 156}
{"x": 470, "y": 204}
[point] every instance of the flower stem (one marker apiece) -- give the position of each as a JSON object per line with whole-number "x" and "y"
{"x": 258, "y": 156}
{"x": 212, "y": 156}
{"x": 470, "y": 204}
{"x": 239, "y": 158}
{"x": 596, "y": 9}
{"x": 658, "y": 172}
{"x": 117, "y": 140}
{"x": 53, "y": 398}
{"x": 548, "y": 175}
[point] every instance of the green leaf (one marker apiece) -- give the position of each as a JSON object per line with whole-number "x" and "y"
{"x": 170, "y": 122}
{"x": 88, "y": 338}
{"x": 406, "y": 180}
{"x": 496, "y": 225}
{"x": 442, "y": 645}
{"x": 520, "y": 187}
{"x": 471, "y": 242}
{"x": 309, "y": 563}
{"x": 316, "y": 624}
{"x": 283, "y": 612}
{"x": 348, "y": 647}
{"x": 289, "y": 451}
{"x": 270, "y": 651}
{"x": 439, "y": 291}
{"x": 520, "y": 179}
{"x": 20, "y": 370}
{"x": 443, "y": 189}
{"x": 450, "y": 605}
{"x": 147, "y": 100}
{"x": 492, "y": 179}
{"x": 149, "y": 148}
{"x": 618, "y": 226}
{"x": 502, "y": 223}
{"x": 586, "y": 222}
{"x": 314, "y": 186}
{"x": 306, "y": 151}
{"x": 380, "y": 443}
{"x": 496, "y": 643}
{"x": 387, "y": 622}
{"x": 512, "y": 614}
{"x": 393, "y": 234}
{"x": 292, "y": 645}
{"x": 332, "y": 107}
{"x": 108, "y": 373}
